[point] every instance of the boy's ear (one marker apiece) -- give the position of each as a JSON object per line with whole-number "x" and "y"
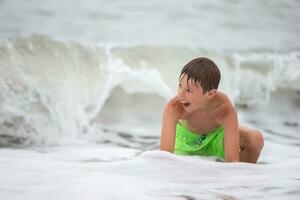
{"x": 211, "y": 93}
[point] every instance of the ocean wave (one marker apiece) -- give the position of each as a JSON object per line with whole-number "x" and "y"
{"x": 53, "y": 91}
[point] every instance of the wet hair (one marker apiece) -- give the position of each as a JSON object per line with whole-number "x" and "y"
{"x": 202, "y": 71}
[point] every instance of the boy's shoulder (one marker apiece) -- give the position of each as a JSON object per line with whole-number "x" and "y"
{"x": 224, "y": 106}
{"x": 223, "y": 98}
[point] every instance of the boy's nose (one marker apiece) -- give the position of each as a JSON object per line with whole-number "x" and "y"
{"x": 180, "y": 94}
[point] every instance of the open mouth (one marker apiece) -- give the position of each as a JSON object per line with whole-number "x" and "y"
{"x": 186, "y": 104}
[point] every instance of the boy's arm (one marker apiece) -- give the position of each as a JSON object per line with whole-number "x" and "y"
{"x": 172, "y": 113}
{"x": 228, "y": 119}
{"x": 231, "y": 136}
{"x": 167, "y": 139}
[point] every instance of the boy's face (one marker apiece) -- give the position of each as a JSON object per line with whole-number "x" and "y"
{"x": 191, "y": 96}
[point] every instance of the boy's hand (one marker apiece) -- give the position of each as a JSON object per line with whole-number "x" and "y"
{"x": 173, "y": 110}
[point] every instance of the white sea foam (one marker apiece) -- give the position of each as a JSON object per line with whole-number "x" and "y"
{"x": 80, "y": 172}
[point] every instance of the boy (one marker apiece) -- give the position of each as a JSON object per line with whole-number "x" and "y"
{"x": 202, "y": 121}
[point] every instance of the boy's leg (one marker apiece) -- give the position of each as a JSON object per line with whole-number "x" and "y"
{"x": 251, "y": 144}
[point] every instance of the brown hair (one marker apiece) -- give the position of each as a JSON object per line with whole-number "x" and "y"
{"x": 202, "y": 71}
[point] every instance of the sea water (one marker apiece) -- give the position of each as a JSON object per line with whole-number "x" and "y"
{"x": 83, "y": 85}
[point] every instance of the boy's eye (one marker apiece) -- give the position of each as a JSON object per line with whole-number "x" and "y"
{"x": 188, "y": 90}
